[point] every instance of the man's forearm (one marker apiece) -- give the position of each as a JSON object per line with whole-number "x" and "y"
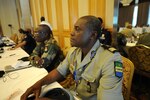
{"x": 53, "y": 76}
{"x": 20, "y": 44}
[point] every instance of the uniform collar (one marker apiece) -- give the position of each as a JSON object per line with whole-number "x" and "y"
{"x": 91, "y": 54}
{"x": 51, "y": 40}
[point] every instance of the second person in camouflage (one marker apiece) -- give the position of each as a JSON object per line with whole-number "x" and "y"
{"x": 47, "y": 53}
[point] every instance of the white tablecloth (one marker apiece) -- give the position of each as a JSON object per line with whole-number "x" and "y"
{"x": 10, "y": 57}
{"x": 14, "y": 84}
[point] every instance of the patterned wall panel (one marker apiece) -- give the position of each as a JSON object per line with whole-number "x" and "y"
{"x": 54, "y": 17}
{"x": 62, "y": 14}
{"x": 66, "y": 42}
{"x": 83, "y": 7}
{"x": 65, "y": 12}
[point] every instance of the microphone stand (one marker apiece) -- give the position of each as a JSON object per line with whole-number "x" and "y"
{"x": 10, "y": 28}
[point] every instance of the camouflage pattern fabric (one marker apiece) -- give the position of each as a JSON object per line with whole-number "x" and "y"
{"x": 50, "y": 54}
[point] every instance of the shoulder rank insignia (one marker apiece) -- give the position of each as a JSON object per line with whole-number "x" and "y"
{"x": 113, "y": 50}
{"x": 46, "y": 49}
{"x": 93, "y": 53}
{"x": 118, "y": 69}
{"x": 109, "y": 48}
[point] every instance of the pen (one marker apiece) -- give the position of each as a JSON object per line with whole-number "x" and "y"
{"x": 11, "y": 54}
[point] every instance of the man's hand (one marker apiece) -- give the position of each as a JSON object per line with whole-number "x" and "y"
{"x": 35, "y": 90}
{"x": 38, "y": 61}
{"x": 12, "y": 48}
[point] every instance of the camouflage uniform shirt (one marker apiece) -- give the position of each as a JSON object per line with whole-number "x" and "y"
{"x": 50, "y": 53}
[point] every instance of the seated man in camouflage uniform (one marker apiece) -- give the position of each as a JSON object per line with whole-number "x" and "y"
{"x": 96, "y": 69}
{"x": 47, "y": 53}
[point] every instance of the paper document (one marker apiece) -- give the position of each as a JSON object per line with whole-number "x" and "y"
{"x": 21, "y": 64}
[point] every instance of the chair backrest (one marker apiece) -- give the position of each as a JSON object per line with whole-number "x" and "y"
{"x": 128, "y": 70}
{"x": 140, "y": 56}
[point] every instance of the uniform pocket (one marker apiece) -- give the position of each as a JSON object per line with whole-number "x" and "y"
{"x": 91, "y": 84}
{"x": 88, "y": 77}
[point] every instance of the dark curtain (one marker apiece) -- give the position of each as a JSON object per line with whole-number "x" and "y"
{"x": 143, "y": 13}
{"x": 125, "y": 15}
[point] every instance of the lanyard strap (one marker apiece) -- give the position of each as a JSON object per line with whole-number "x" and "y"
{"x": 93, "y": 53}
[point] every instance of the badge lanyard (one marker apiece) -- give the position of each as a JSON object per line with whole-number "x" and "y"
{"x": 77, "y": 80}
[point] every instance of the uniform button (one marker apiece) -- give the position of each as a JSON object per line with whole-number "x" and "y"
{"x": 77, "y": 94}
{"x": 80, "y": 70}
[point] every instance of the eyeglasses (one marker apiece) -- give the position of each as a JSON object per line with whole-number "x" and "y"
{"x": 12, "y": 75}
{"x": 36, "y": 32}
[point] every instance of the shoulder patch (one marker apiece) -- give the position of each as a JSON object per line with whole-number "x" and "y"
{"x": 113, "y": 50}
{"x": 118, "y": 67}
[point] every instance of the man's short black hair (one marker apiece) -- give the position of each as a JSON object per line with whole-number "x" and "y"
{"x": 93, "y": 24}
{"x": 100, "y": 19}
{"x": 121, "y": 39}
{"x": 24, "y": 31}
{"x": 42, "y": 18}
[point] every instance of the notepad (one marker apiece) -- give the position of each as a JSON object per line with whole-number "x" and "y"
{"x": 17, "y": 66}
{"x": 20, "y": 64}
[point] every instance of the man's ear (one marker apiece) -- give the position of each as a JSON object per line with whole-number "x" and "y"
{"x": 94, "y": 35}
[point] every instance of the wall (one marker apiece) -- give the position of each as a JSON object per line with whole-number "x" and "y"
{"x": 8, "y": 15}
{"x": 62, "y": 14}
{"x": 25, "y": 19}
{"x": 1, "y": 31}
{"x": 109, "y": 11}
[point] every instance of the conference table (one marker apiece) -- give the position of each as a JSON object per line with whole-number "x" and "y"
{"x": 10, "y": 57}
{"x": 14, "y": 84}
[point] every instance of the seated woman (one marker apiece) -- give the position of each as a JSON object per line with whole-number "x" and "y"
{"x": 121, "y": 41}
{"x": 27, "y": 43}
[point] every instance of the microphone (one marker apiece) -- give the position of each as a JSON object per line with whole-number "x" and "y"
{"x": 9, "y": 25}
